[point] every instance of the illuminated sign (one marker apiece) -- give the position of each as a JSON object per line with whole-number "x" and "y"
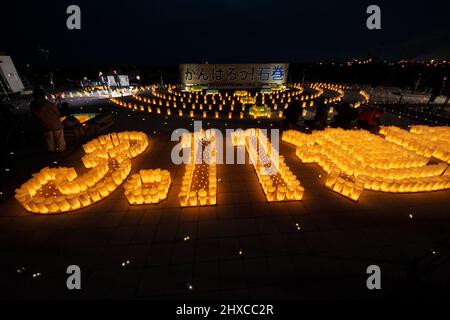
{"x": 234, "y": 74}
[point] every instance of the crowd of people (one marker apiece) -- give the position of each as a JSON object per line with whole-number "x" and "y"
{"x": 52, "y": 117}
{"x": 346, "y": 117}
{"x": 48, "y": 116}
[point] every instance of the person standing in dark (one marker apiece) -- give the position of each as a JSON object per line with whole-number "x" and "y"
{"x": 292, "y": 114}
{"x": 321, "y": 116}
{"x": 65, "y": 109}
{"x": 58, "y": 102}
{"x": 47, "y": 115}
{"x": 345, "y": 115}
{"x": 370, "y": 119}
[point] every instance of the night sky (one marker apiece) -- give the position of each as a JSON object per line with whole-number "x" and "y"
{"x": 157, "y": 32}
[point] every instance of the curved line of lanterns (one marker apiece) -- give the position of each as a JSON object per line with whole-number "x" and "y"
{"x": 229, "y": 106}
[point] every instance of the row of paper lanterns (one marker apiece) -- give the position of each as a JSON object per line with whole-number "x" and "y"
{"x": 199, "y": 182}
{"x": 275, "y": 177}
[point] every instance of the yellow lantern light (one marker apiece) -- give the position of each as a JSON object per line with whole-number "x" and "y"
{"x": 275, "y": 177}
{"x": 55, "y": 190}
{"x": 424, "y": 140}
{"x": 199, "y": 182}
{"x": 147, "y": 187}
{"x": 357, "y": 160}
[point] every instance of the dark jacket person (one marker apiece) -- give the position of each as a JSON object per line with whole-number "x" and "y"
{"x": 47, "y": 114}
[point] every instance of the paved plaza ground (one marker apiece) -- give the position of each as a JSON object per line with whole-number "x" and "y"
{"x": 243, "y": 247}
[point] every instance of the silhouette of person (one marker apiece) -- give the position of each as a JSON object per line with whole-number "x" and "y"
{"x": 47, "y": 115}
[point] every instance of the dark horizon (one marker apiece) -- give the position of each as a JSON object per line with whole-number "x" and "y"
{"x": 165, "y": 34}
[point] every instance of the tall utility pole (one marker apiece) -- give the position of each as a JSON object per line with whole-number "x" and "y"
{"x": 46, "y": 53}
{"x": 417, "y": 83}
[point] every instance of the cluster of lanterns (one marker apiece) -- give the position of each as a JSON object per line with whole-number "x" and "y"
{"x": 92, "y": 91}
{"x": 81, "y": 117}
{"x": 345, "y": 185}
{"x": 336, "y": 88}
{"x": 356, "y": 160}
{"x": 74, "y": 94}
{"x": 260, "y": 111}
{"x": 240, "y": 93}
{"x": 248, "y": 100}
{"x": 55, "y": 190}
{"x": 365, "y": 96}
{"x": 147, "y": 186}
{"x": 119, "y": 146}
{"x": 210, "y": 104}
{"x": 275, "y": 177}
{"x": 297, "y": 138}
{"x": 424, "y": 140}
{"x": 199, "y": 184}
